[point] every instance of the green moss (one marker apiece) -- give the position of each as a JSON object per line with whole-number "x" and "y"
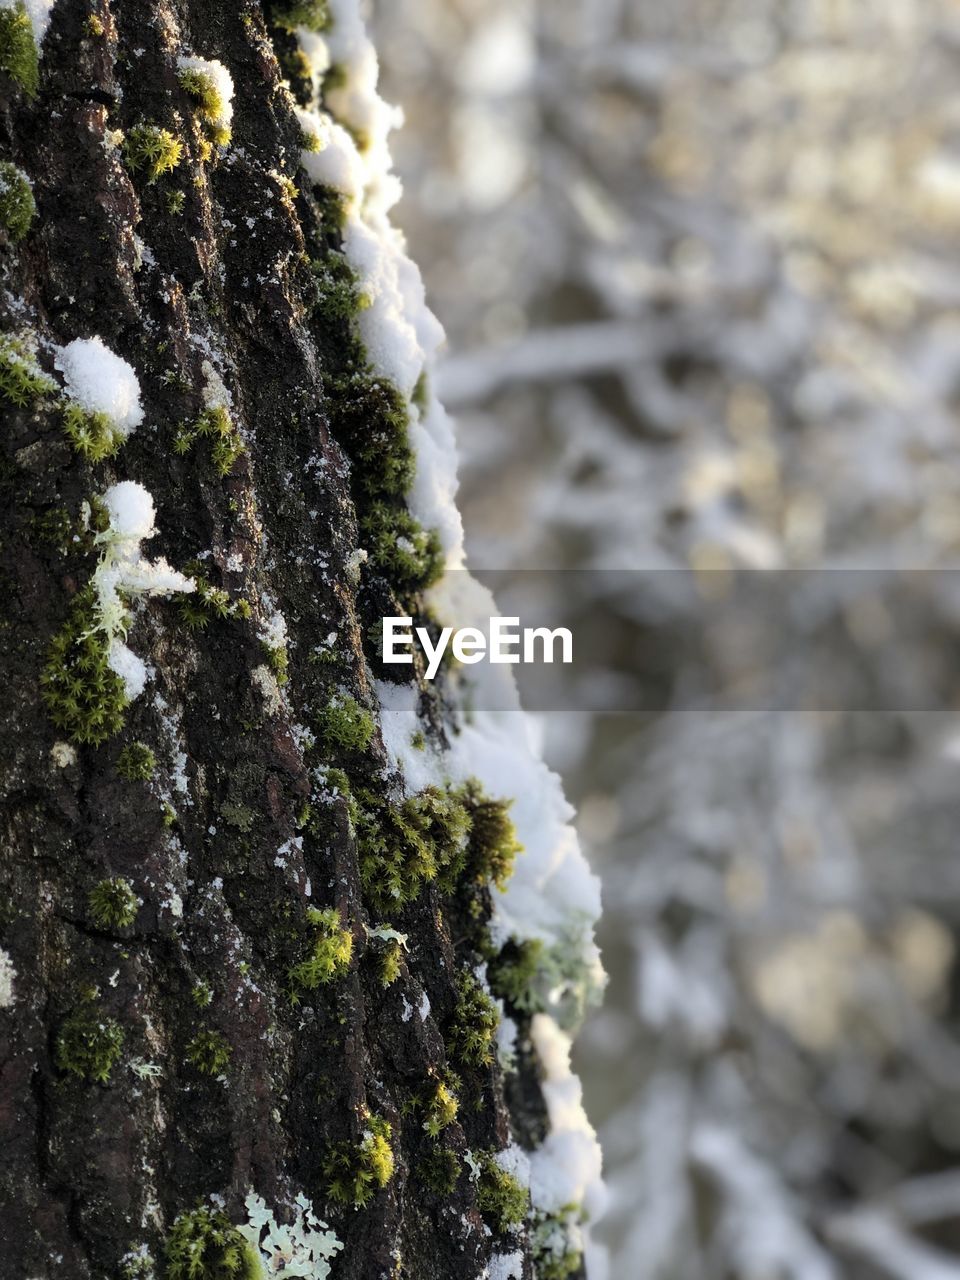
{"x": 354, "y": 1173}
{"x": 501, "y": 1199}
{"x": 337, "y": 295}
{"x": 332, "y": 208}
{"x": 473, "y": 1027}
{"x": 404, "y": 847}
{"x": 331, "y": 950}
{"x": 345, "y": 725}
{"x": 514, "y": 973}
{"x": 92, "y": 434}
{"x": 237, "y": 815}
{"x": 421, "y": 393}
{"x": 84, "y": 697}
{"x": 209, "y": 1053}
{"x": 371, "y": 422}
{"x": 493, "y": 844}
{"x": 152, "y": 150}
{"x": 409, "y": 555}
{"x": 278, "y": 662}
{"x": 555, "y": 1243}
{"x": 94, "y": 25}
{"x": 216, "y": 426}
{"x": 18, "y": 49}
{"x": 175, "y": 202}
{"x": 290, "y": 14}
{"x": 203, "y": 1244}
{"x": 418, "y": 741}
{"x": 201, "y": 993}
{"x": 390, "y": 963}
{"x": 22, "y": 381}
{"x": 440, "y": 1169}
{"x": 89, "y": 1045}
{"x": 200, "y": 607}
{"x": 210, "y": 104}
{"x": 113, "y": 904}
{"x": 136, "y": 762}
{"x": 441, "y": 1109}
{"x": 17, "y": 205}
{"x": 298, "y": 72}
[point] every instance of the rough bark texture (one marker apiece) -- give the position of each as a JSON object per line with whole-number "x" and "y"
{"x": 91, "y": 1170}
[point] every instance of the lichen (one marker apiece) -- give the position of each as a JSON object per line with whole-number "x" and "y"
{"x": 152, "y": 150}
{"x": 136, "y": 762}
{"x": 331, "y": 950}
{"x": 501, "y": 1199}
{"x": 209, "y": 1052}
{"x": 355, "y": 1172}
{"x": 18, "y": 49}
{"x": 89, "y": 1045}
{"x": 84, "y": 696}
{"x": 17, "y": 205}
{"x": 474, "y": 1023}
{"x": 203, "y": 1244}
{"x": 113, "y": 903}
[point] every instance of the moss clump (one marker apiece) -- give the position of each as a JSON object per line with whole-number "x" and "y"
{"x": 501, "y": 1199}
{"x": 493, "y": 845}
{"x": 404, "y": 847}
{"x": 216, "y": 426}
{"x": 290, "y": 14}
{"x": 22, "y": 381}
{"x": 409, "y": 555}
{"x": 17, "y": 205}
{"x": 389, "y": 963}
{"x": 209, "y": 1053}
{"x": 331, "y": 950}
{"x": 556, "y": 1243}
{"x": 278, "y": 661}
{"x": 203, "y": 1244}
{"x": 372, "y": 423}
{"x": 175, "y": 202}
{"x": 514, "y": 974}
{"x": 113, "y": 904}
{"x": 89, "y": 1045}
{"x": 298, "y": 73}
{"x": 441, "y": 1109}
{"x": 136, "y": 762}
{"x": 355, "y": 1172}
{"x": 84, "y": 697}
{"x": 94, "y": 25}
{"x": 18, "y": 49}
{"x": 440, "y": 1169}
{"x": 474, "y": 1024}
{"x": 344, "y": 724}
{"x": 337, "y": 295}
{"x": 201, "y": 993}
{"x": 152, "y": 150}
{"x": 208, "y": 602}
{"x": 92, "y": 434}
{"x": 211, "y": 107}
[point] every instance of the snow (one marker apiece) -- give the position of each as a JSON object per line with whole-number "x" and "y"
{"x": 101, "y": 382}
{"x": 505, "y": 1266}
{"x": 565, "y": 1168}
{"x": 336, "y": 162}
{"x": 7, "y": 975}
{"x": 123, "y": 571}
{"x": 222, "y": 80}
{"x": 38, "y": 11}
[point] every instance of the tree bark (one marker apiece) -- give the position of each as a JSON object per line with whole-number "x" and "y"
{"x": 148, "y": 1066}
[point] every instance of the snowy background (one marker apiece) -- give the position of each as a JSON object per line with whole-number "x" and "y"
{"x": 699, "y": 266}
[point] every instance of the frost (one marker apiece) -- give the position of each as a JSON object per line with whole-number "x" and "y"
{"x": 303, "y": 1248}
{"x": 101, "y": 382}
{"x": 7, "y": 975}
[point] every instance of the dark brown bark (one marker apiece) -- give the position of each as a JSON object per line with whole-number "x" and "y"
{"x": 91, "y": 1170}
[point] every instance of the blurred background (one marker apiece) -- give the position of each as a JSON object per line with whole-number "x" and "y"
{"x": 699, "y": 266}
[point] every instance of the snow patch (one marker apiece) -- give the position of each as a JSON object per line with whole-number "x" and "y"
{"x": 101, "y": 382}
{"x": 7, "y": 975}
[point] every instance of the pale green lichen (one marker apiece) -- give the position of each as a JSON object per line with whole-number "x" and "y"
{"x": 17, "y": 205}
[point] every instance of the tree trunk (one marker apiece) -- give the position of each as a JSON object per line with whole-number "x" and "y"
{"x": 243, "y": 971}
